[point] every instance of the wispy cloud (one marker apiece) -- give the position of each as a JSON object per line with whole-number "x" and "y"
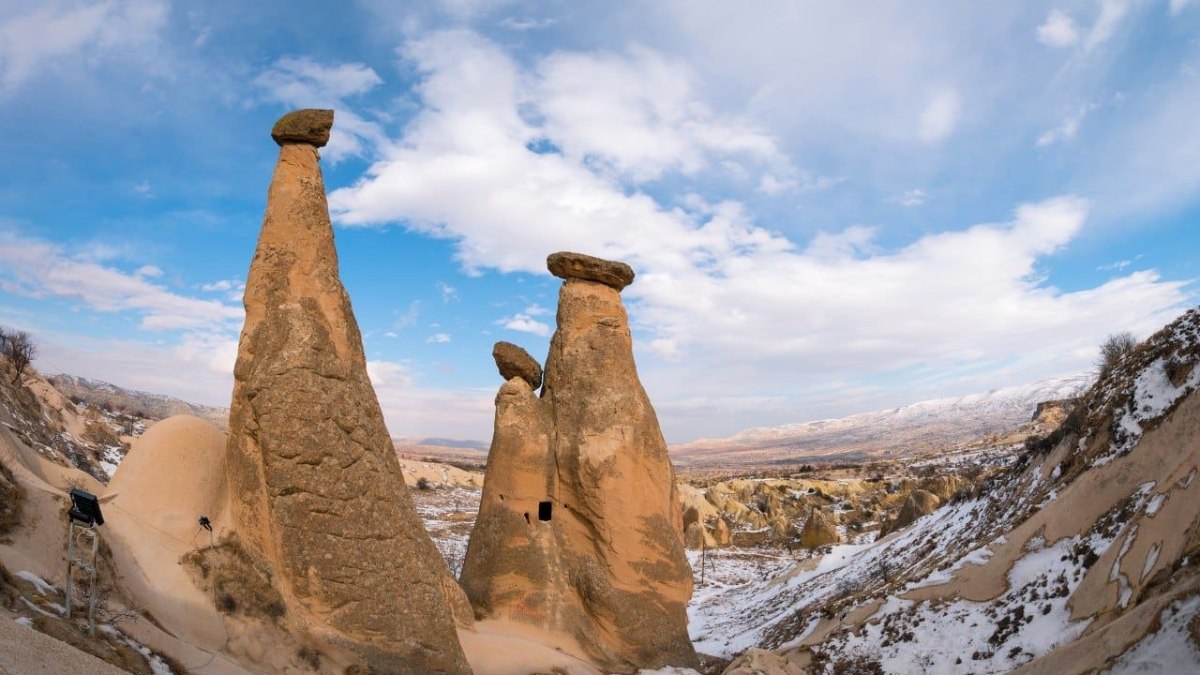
{"x": 302, "y": 82}
{"x": 1058, "y": 30}
{"x": 911, "y": 198}
{"x": 37, "y": 268}
{"x": 940, "y": 116}
{"x": 438, "y": 338}
{"x": 524, "y": 323}
{"x": 1068, "y": 129}
{"x": 52, "y": 32}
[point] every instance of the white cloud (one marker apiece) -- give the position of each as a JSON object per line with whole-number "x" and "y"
{"x": 303, "y": 83}
{"x": 207, "y": 359}
{"x": 636, "y": 114}
{"x": 912, "y": 198}
{"x": 385, "y": 373}
{"x": 1111, "y": 14}
{"x": 1118, "y": 265}
{"x": 449, "y": 293}
{"x": 1068, "y": 129}
{"x": 148, "y": 271}
{"x": 711, "y": 283}
{"x": 409, "y": 317}
{"x": 438, "y": 338}
{"x": 1058, "y": 30}
{"x": 524, "y": 323}
{"x": 940, "y": 116}
{"x": 52, "y": 32}
{"x": 221, "y": 285}
{"x": 512, "y": 23}
{"x": 36, "y": 268}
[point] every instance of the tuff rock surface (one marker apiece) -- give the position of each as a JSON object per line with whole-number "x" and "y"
{"x": 309, "y": 127}
{"x": 579, "y": 530}
{"x": 820, "y": 530}
{"x": 316, "y": 489}
{"x": 566, "y": 265}
{"x": 919, "y": 503}
{"x": 514, "y": 361}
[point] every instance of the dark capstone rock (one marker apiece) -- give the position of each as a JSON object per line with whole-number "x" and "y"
{"x": 567, "y": 265}
{"x": 309, "y": 126}
{"x": 514, "y": 361}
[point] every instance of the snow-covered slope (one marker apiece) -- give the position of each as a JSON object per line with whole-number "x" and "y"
{"x": 1081, "y": 556}
{"x": 896, "y": 432}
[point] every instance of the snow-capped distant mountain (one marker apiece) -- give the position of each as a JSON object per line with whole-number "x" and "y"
{"x": 140, "y": 403}
{"x": 896, "y": 432}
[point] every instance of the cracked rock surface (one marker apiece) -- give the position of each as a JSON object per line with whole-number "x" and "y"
{"x": 579, "y": 530}
{"x": 316, "y": 489}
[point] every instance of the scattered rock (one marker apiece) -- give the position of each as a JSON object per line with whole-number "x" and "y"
{"x": 721, "y": 533}
{"x": 580, "y": 528}
{"x": 762, "y": 662}
{"x": 317, "y": 493}
{"x": 513, "y": 361}
{"x": 693, "y": 536}
{"x": 309, "y": 126}
{"x": 919, "y": 503}
{"x": 820, "y": 530}
{"x": 565, "y": 265}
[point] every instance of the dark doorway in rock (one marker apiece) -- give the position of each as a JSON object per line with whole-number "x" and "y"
{"x": 544, "y": 510}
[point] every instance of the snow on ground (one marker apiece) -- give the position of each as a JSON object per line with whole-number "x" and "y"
{"x": 1173, "y": 649}
{"x": 43, "y": 587}
{"x": 449, "y": 514}
{"x": 110, "y": 458}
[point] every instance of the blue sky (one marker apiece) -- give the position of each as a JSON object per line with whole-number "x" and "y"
{"x": 832, "y": 207}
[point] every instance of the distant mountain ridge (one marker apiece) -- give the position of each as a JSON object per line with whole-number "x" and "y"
{"x": 141, "y": 403}
{"x": 896, "y": 432}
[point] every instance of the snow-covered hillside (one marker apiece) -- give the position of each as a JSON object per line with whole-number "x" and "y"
{"x": 902, "y": 431}
{"x": 1081, "y": 556}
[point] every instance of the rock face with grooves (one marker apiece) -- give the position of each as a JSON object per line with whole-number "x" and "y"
{"x": 316, "y": 489}
{"x": 579, "y": 531}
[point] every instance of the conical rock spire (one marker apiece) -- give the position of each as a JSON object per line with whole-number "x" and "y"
{"x": 316, "y": 489}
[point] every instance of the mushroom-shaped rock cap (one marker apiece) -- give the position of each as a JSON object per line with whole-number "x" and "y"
{"x": 309, "y": 126}
{"x": 579, "y": 266}
{"x": 514, "y": 361}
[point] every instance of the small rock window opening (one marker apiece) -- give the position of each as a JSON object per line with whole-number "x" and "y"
{"x": 544, "y": 510}
{"x": 526, "y": 517}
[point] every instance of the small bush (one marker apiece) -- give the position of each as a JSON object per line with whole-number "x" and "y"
{"x": 423, "y": 484}
{"x": 1114, "y": 348}
{"x": 238, "y": 585}
{"x": 19, "y": 347}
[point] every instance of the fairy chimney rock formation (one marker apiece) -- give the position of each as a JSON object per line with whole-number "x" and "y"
{"x": 316, "y": 491}
{"x": 579, "y": 530}
{"x": 513, "y": 361}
